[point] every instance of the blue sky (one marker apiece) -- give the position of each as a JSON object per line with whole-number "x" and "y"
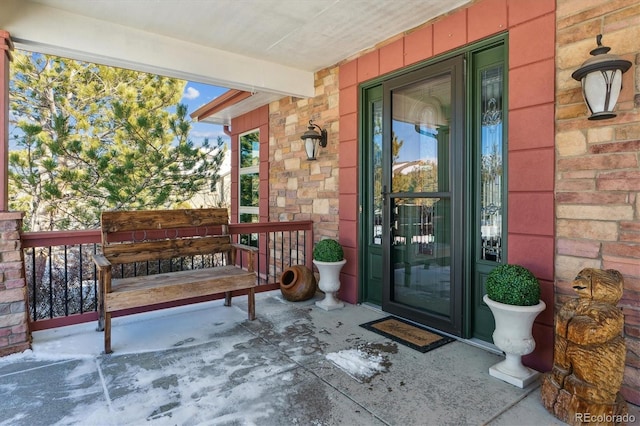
{"x": 415, "y": 146}
{"x": 420, "y": 146}
{"x": 195, "y": 95}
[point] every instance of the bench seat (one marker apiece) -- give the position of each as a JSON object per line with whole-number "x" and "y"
{"x": 133, "y": 237}
{"x": 172, "y": 286}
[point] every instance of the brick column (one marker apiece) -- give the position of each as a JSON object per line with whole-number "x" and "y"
{"x": 14, "y": 321}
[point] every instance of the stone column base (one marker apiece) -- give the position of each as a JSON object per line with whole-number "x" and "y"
{"x": 15, "y": 335}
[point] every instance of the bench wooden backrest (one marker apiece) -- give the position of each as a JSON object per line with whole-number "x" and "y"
{"x": 137, "y": 236}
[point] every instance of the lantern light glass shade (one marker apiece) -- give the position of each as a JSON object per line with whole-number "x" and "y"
{"x": 601, "y": 79}
{"x": 601, "y": 90}
{"x": 313, "y": 139}
{"x": 311, "y": 147}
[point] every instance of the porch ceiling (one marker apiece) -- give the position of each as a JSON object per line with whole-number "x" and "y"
{"x": 267, "y": 46}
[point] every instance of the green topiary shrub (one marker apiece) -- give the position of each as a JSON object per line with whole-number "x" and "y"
{"x": 513, "y": 285}
{"x": 328, "y": 251}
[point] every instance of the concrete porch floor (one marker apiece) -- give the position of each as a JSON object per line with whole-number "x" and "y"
{"x": 206, "y": 364}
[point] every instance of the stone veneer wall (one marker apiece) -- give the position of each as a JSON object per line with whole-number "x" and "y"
{"x": 301, "y": 189}
{"x": 14, "y": 324}
{"x": 598, "y": 164}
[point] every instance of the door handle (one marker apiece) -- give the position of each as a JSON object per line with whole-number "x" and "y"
{"x": 385, "y": 195}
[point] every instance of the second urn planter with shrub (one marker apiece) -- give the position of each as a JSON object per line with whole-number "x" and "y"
{"x": 513, "y": 295}
{"x": 328, "y": 256}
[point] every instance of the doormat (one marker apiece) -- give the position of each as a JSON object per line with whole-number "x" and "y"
{"x": 407, "y": 333}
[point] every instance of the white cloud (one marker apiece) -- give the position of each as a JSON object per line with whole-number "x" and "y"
{"x": 191, "y": 93}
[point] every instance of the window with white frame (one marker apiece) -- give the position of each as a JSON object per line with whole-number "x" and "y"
{"x": 249, "y": 182}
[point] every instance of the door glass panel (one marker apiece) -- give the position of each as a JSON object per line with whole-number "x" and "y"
{"x": 421, "y": 201}
{"x": 420, "y": 136}
{"x": 421, "y": 253}
{"x": 491, "y": 171}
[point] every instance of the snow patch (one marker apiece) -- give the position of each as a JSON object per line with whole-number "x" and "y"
{"x": 139, "y": 333}
{"x": 359, "y": 364}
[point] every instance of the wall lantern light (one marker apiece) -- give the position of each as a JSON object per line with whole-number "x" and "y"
{"x": 312, "y": 139}
{"x": 601, "y": 78}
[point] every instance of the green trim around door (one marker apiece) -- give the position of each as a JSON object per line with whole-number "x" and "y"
{"x": 379, "y": 259}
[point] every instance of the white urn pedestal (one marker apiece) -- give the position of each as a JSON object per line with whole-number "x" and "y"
{"x": 329, "y": 283}
{"x": 513, "y": 336}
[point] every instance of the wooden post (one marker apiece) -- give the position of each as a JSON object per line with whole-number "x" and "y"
{"x": 15, "y": 335}
{"x": 6, "y": 45}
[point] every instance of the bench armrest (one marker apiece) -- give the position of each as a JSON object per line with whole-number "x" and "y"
{"x": 101, "y": 261}
{"x": 250, "y": 252}
{"x": 245, "y": 247}
{"x": 104, "y": 286}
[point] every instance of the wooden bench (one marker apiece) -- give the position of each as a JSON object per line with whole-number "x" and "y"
{"x": 129, "y": 237}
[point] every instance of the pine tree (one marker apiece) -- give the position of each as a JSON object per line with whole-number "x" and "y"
{"x": 91, "y": 138}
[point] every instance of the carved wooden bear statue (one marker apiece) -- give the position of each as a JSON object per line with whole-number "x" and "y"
{"x": 589, "y": 354}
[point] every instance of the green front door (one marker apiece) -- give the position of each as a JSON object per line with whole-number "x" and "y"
{"x": 432, "y": 186}
{"x": 423, "y": 237}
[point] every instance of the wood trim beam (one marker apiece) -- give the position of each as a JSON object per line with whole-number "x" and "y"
{"x": 226, "y": 100}
{"x": 48, "y": 30}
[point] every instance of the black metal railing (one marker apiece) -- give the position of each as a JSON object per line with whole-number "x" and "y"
{"x": 62, "y": 280}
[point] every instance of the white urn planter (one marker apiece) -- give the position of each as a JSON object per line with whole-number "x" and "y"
{"x": 513, "y": 336}
{"x": 329, "y": 283}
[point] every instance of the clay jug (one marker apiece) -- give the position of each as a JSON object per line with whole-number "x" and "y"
{"x": 297, "y": 283}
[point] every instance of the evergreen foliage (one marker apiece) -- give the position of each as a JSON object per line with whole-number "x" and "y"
{"x": 513, "y": 285}
{"x": 90, "y": 138}
{"x": 328, "y": 250}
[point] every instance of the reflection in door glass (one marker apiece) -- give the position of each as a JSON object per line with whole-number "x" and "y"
{"x": 421, "y": 253}
{"x": 491, "y": 172}
{"x": 376, "y": 170}
{"x": 420, "y": 136}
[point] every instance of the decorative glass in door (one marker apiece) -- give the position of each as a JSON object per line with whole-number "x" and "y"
{"x": 488, "y": 197}
{"x": 491, "y": 170}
